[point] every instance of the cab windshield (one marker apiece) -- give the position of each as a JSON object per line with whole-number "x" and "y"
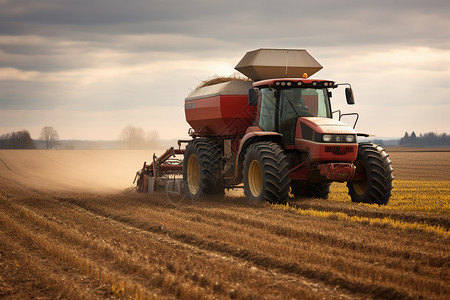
{"x": 305, "y": 102}
{"x": 280, "y": 108}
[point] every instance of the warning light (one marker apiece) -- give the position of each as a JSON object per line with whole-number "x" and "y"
{"x": 305, "y": 75}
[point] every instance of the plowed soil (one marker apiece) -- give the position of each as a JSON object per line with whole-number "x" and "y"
{"x": 71, "y": 228}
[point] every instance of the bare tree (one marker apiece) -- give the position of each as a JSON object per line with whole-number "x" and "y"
{"x": 153, "y": 139}
{"x": 132, "y": 137}
{"x": 50, "y": 136}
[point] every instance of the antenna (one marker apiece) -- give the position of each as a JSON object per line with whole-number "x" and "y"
{"x": 287, "y": 63}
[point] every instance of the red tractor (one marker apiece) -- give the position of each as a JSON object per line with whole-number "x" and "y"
{"x": 275, "y": 134}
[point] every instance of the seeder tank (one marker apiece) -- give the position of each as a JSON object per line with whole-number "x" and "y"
{"x": 220, "y": 109}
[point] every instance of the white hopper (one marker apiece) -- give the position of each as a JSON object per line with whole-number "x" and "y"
{"x": 277, "y": 63}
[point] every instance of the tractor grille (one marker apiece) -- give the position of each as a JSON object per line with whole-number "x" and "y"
{"x": 339, "y": 150}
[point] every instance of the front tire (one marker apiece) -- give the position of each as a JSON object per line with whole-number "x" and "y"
{"x": 373, "y": 162}
{"x": 266, "y": 173}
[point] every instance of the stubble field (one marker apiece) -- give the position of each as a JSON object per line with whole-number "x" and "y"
{"x": 70, "y": 229}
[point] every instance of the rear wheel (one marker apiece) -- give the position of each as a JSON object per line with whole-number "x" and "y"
{"x": 266, "y": 173}
{"x": 374, "y": 164}
{"x": 201, "y": 168}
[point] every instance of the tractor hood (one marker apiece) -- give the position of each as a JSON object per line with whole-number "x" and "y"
{"x": 326, "y": 125}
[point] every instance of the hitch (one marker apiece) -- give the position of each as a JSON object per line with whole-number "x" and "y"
{"x": 337, "y": 171}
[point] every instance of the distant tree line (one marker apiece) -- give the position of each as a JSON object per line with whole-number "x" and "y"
{"x": 17, "y": 140}
{"x": 22, "y": 139}
{"x": 429, "y": 139}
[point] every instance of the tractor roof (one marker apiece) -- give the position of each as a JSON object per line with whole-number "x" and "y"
{"x": 277, "y": 63}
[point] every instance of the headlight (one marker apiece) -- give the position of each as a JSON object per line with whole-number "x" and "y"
{"x": 326, "y": 138}
{"x": 336, "y": 138}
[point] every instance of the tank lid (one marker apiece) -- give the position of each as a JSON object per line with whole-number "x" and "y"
{"x": 277, "y": 63}
{"x": 233, "y": 87}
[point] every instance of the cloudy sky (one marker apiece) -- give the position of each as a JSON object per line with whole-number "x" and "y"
{"x": 91, "y": 67}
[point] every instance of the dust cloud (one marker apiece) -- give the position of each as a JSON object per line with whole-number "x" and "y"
{"x": 103, "y": 171}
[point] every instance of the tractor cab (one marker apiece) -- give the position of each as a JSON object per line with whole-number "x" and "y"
{"x": 300, "y": 111}
{"x": 282, "y": 101}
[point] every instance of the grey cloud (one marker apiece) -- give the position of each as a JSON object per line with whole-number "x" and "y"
{"x": 317, "y": 22}
{"x": 52, "y": 55}
{"x": 71, "y": 33}
{"x": 37, "y": 95}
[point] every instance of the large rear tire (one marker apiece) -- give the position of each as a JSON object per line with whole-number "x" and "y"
{"x": 202, "y": 168}
{"x": 372, "y": 161}
{"x": 266, "y": 173}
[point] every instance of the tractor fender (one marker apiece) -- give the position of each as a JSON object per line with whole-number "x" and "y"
{"x": 254, "y": 134}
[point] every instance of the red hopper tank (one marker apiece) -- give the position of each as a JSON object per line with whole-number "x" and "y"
{"x": 220, "y": 109}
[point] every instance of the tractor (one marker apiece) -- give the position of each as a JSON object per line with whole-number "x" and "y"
{"x": 272, "y": 134}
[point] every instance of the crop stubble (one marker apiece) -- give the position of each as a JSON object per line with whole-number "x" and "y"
{"x": 74, "y": 244}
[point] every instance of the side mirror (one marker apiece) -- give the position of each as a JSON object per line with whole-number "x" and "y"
{"x": 253, "y": 95}
{"x": 349, "y": 96}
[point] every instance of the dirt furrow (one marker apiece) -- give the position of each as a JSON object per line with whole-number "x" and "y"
{"x": 96, "y": 254}
{"x": 361, "y": 265}
{"x": 70, "y": 258}
{"x": 168, "y": 263}
{"x": 214, "y": 243}
{"x": 335, "y": 239}
{"x": 28, "y": 267}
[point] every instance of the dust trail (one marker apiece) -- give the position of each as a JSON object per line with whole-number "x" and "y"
{"x": 73, "y": 170}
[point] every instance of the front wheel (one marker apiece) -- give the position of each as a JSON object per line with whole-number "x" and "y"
{"x": 373, "y": 163}
{"x": 266, "y": 173}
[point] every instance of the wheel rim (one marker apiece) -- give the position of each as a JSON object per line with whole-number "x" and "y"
{"x": 255, "y": 182}
{"x": 193, "y": 174}
{"x": 360, "y": 187}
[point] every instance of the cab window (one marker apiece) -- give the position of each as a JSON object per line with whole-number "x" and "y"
{"x": 267, "y": 110}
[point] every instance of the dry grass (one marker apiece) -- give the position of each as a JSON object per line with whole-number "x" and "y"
{"x": 431, "y": 197}
{"x": 71, "y": 243}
